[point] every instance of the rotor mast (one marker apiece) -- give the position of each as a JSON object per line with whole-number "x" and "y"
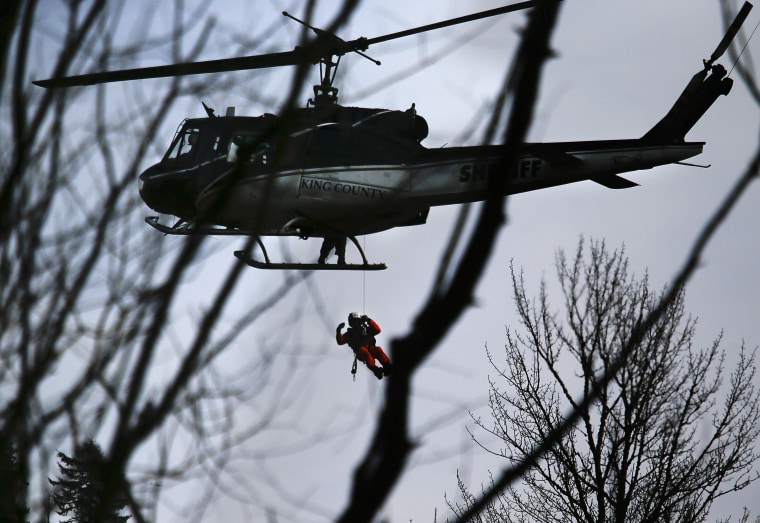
{"x": 324, "y": 92}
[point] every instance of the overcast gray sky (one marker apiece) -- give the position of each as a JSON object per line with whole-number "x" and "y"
{"x": 619, "y": 67}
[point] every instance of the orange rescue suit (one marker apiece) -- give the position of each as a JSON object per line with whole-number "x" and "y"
{"x": 362, "y": 340}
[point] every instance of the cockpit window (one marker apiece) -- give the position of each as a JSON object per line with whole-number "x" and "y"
{"x": 247, "y": 147}
{"x": 185, "y": 144}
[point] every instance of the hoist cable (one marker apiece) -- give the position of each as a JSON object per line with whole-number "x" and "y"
{"x": 744, "y": 47}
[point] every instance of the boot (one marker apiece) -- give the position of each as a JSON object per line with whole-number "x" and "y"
{"x": 377, "y": 372}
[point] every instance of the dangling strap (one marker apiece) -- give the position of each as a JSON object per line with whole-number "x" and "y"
{"x": 353, "y": 368}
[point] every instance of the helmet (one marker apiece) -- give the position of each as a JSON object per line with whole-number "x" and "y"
{"x": 354, "y": 318}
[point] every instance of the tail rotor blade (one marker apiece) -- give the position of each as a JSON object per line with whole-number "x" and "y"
{"x": 731, "y": 33}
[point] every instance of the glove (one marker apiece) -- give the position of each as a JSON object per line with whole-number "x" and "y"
{"x": 340, "y": 327}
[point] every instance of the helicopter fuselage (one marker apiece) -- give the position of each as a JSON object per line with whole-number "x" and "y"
{"x": 333, "y": 171}
{"x": 358, "y": 171}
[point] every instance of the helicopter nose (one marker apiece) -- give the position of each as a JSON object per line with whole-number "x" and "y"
{"x": 168, "y": 191}
{"x": 146, "y": 188}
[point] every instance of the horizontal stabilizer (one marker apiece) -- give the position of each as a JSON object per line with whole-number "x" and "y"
{"x": 614, "y": 181}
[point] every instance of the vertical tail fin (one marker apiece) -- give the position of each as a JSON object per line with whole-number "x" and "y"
{"x": 700, "y": 93}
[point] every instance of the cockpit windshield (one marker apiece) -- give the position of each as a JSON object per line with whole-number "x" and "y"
{"x": 185, "y": 144}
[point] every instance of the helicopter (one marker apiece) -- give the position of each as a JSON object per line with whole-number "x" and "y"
{"x": 335, "y": 172}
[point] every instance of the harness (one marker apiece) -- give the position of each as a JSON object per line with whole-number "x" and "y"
{"x": 359, "y": 337}
{"x": 355, "y": 338}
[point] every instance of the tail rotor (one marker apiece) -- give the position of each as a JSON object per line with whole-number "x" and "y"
{"x": 731, "y": 33}
{"x": 700, "y": 93}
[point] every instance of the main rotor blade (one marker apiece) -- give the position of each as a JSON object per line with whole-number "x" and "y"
{"x": 453, "y": 21}
{"x": 323, "y": 47}
{"x": 188, "y": 68}
{"x": 731, "y": 33}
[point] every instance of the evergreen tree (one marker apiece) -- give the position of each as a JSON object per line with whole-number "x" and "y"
{"x": 12, "y": 503}
{"x": 79, "y": 491}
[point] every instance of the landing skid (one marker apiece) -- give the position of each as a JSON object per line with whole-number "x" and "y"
{"x": 183, "y": 228}
{"x": 242, "y": 256}
{"x": 268, "y": 264}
